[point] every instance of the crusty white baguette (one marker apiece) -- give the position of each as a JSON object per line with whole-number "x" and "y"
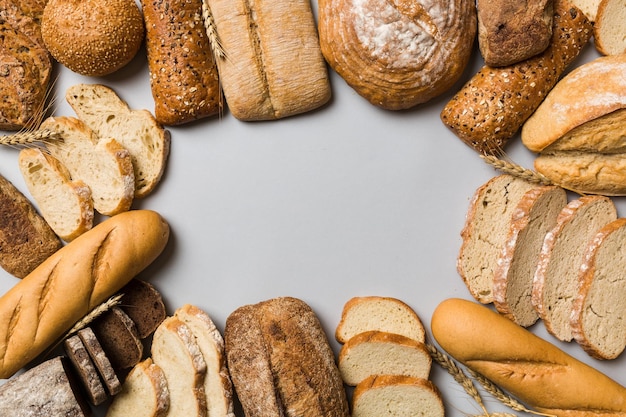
{"x": 534, "y": 371}
{"x": 86, "y": 272}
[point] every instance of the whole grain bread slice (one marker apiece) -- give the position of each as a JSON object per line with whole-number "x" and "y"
{"x": 143, "y": 303}
{"x": 118, "y": 336}
{"x": 100, "y": 360}
{"x": 86, "y": 370}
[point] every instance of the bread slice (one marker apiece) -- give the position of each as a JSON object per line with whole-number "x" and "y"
{"x": 102, "y": 110}
{"x": 85, "y": 369}
{"x": 65, "y": 204}
{"x": 609, "y": 31}
{"x": 598, "y": 311}
{"x": 118, "y": 336}
{"x": 144, "y": 393}
{"x": 485, "y": 232}
{"x": 217, "y": 384}
{"x": 104, "y": 165}
{"x": 48, "y": 389}
{"x": 388, "y": 314}
{"x": 534, "y": 216}
{"x": 588, "y": 7}
{"x": 143, "y": 303}
{"x": 176, "y": 352}
{"x": 396, "y": 396}
{"x": 100, "y": 360}
{"x": 381, "y": 353}
{"x": 555, "y": 282}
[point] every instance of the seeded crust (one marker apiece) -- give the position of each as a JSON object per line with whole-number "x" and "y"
{"x": 492, "y": 107}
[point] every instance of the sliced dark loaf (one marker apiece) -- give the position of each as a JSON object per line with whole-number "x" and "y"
{"x": 118, "y": 336}
{"x": 143, "y": 303}
{"x": 100, "y": 360}
{"x": 86, "y": 370}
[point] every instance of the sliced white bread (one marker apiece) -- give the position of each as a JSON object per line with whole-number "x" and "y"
{"x": 65, "y": 204}
{"x": 144, "y": 393}
{"x": 381, "y": 353}
{"x": 588, "y": 7}
{"x": 534, "y": 216}
{"x": 598, "y": 311}
{"x": 176, "y": 352}
{"x": 609, "y": 30}
{"x": 396, "y": 396}
{"x": 217, "y": 384}
{"x": 485, "y": 232}
{"x": 137, "y": 130}
{"x": 555, "y": 283}
{"x": 104, "y": 165}
{"x": 388, "y": 314}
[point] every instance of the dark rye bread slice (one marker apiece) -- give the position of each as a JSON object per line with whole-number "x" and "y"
{"x": 118, "y": 336}
{"x": 86, "y": 370}
{"x": 46, "y": 390}
{"x": 100, "y": 360}
{"x": 143, "y": 303}
{"x": 26, "y": 239}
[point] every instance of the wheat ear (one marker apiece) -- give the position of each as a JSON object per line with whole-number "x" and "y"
{"x": 516, "y": 170}
{"x": 209, "y": 24}
{"x": 30, "y": 138}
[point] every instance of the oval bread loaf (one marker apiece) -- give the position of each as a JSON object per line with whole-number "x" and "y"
{"x": 65, "y": 287}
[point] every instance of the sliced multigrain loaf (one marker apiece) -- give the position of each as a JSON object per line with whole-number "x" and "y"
{"x": 118, "y": 336}
{"x": 26, "y": 239}
{"x": 381, "y": 353}
{"x": 65, "y": 204}
{"x": 103, "y": 111}
{"x": 598, "y": 311}
{"x": 100, "y": 360}
{"x": 609, "y": 30}
{"x": 217, "y": 384}
{"x": 144, "y": 393}
{"x": 86, "y": 370}
{"x": 396, "y": 396}
{"x": 485, "y": 232}
{"x": 555, "y": 283}
{"x": 388, "y": 314}
{"x": 143, "y": 303}
{"x": 534, "y": 216}
{"x": 175, "y": 350}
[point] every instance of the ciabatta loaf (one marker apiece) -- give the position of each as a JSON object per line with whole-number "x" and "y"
{"x": 44, "y": 305}
{"x": 397, "y": 54}
{"x": 537, "y": 373}
{"x": 555, "y": 283}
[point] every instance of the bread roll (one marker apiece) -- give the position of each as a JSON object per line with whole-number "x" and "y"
{"x": 534, "y": 371}
{"x": 50, "y": 300}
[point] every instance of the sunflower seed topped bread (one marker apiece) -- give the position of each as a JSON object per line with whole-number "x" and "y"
{"x": 85, "y": 369}
{"x": 26, "y": 239}
{"x": 66, "y": 205}
{"x": 397, "y": 54}
{"x": 104, "y": 112}
{"x": 494, "y": 104}
{"x": 362, "y": 314}
{"x": 273, "y": 67}
{"x": 597, "y": 311}
{"x": 555, "y": 283}
{"x": 608, "y": 31}
{"x": 534, "y": 216}
{"x": 381, "y": 353}
{"x": 485, "y": 232}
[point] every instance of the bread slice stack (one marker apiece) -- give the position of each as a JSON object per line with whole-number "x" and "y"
{"x": 385, "y": 357}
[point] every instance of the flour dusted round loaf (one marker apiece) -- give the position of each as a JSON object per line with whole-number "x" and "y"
{"x": 92, "y": 37}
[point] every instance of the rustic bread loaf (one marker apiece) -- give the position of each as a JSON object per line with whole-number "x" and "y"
{"x": 119, "y": 338}
{"x": 534, "y": 371}
{"x": 394, "y": 395}
{"x": 144, "y": 305}
{"x": 534, "y": 216}
{"x": 273, "y": 66}
{"x": 397, "y": 54}
{"x": 494, "y": 104}
{"x": 381, "y": 353}
{"x": 608, "y": 31}
{"x": 175, "y": 350}
{"x": 555, "y": 283}
{"x": 100, "y": 359}
{"x": 511, "y": 31}
{"x": 26, "y": 239}
{"x": 39, "y": 309}
{"x": 144, "y": 393}
{"x": 66, "y": 205}
{"x": 485, "y": 232}
{"x": 104, "y": 112}
{"x": 388, "y": 314}
{"x": 183, "y": 72}
{"x": 597, "y": 312}
{"x": 85, "y": 369}
{"x": 25, "y": 16}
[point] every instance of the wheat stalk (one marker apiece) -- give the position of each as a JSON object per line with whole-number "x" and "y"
{"x": 214, "y": 41}
{"x": 516, "y": 170}
{"x": 29, "y": 138}
{"x": 95, "y": 313}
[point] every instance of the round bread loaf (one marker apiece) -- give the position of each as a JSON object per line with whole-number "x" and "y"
{"x": 90, "y": 37}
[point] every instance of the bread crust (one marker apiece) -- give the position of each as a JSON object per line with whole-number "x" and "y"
{"x": 74, "y": 280}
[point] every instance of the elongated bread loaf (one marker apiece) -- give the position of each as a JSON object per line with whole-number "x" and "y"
{"x": 70, "y": 283}
{"x": 534, "y": 371}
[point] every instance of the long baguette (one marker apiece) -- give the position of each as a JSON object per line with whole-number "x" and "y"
{"x": 65, "y": 287}
{"x": 534, "y": 371}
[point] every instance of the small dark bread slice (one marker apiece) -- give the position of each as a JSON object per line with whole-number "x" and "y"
{"x": 143, "y": 303}
{"x": 118, "y": 336}
{"x": 100, "y": 360}
{"x": 86, "y": 370}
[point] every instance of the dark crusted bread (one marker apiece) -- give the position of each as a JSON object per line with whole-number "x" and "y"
{"x": 118, "y": 336}
{"x": 86, "y": 370}
{"x": 143, "y": 303}
{"x": 100, "y": 360}
{"x": 26, "y": 239}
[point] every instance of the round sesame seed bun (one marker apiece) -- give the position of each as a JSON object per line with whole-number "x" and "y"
{"x": 90, "y": 37}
